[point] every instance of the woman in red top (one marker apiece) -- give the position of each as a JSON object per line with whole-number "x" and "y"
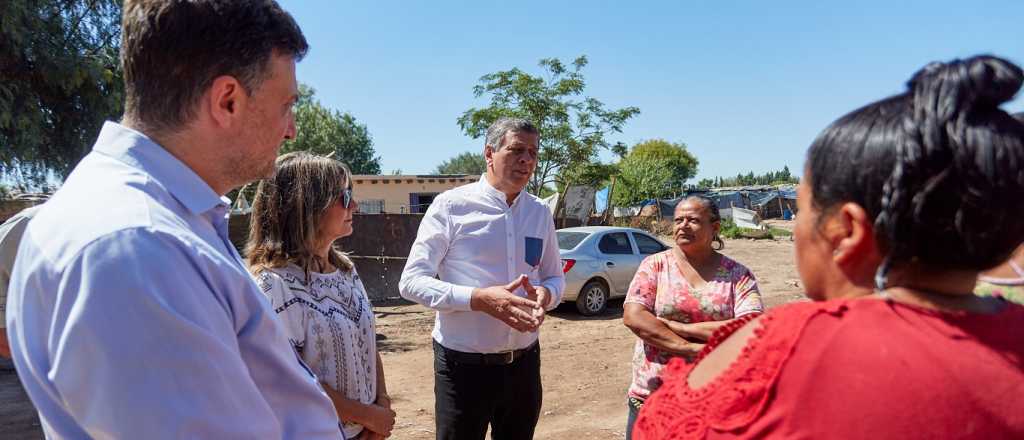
{"x": 902, "y": 203}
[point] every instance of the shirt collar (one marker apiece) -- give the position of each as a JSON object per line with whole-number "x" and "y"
{"x": 495, "y": 193}
{"x": 138, "y": 150}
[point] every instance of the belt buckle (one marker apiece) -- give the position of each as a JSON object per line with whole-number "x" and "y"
{"x": 511, "y": 357}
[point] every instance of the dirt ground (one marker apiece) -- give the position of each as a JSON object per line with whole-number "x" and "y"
{"x": 585, "y": 362}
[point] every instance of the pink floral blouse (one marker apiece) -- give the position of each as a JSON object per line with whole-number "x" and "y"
{"x": 660, "y": 286}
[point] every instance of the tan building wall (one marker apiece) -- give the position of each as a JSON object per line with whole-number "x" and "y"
{"x": 394, "y": 192}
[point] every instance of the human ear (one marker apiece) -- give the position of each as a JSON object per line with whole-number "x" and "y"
{"x": 225, "y": 100}
{"x": 853, "y": 236}
{"x": 488, "y": 155}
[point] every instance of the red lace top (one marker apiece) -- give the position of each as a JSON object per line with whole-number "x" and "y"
{"x": 849, "y": 369}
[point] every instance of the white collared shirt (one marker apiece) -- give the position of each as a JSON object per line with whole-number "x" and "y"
{"x": 470, "y": 237}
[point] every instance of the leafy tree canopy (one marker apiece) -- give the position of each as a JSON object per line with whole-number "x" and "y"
{"x": 672, "y": 155}
{"x": 573, "y": 127}
{"x": 329, "y": 132}
{"x": 465, "y": 163}
{"x": 641, "y": 178}
{"x": 770, "y": 178}
{"x": 60, "y": 78}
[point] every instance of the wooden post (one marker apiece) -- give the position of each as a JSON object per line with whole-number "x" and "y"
{"x": 609, "y": 215}
{"x": 560, "y": 208}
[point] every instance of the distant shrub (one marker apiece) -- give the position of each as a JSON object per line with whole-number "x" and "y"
{"x": 730, "y": 230}
{"x": 663, "y": 227}
{"x": 654, "y": 225}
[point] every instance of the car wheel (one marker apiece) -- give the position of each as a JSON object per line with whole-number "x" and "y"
{"x": 593, "y": 299}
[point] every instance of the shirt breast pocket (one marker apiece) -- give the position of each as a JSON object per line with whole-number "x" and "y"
{"x": 534, "y": 248}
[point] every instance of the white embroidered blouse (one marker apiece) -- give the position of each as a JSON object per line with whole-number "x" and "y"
{"x": 330, "y": 323}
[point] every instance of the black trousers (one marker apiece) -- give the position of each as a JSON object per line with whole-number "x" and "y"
{"x": 468, "y": 397}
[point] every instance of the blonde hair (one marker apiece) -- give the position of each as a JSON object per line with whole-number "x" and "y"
{"x": 287, "y": 211}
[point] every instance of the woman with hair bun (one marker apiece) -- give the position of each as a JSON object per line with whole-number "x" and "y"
{"x": 896, "y": 221}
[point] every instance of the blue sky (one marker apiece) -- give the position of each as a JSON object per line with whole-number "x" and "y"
{"x": 746, "y": 85}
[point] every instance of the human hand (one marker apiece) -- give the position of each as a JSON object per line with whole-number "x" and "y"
{"x": 541, "y": 296}
{"x": 379, "y": 419}
{"x": 505, "y": 306}
{"x": 692, "y": 350}
{"x": 383, "y": 400}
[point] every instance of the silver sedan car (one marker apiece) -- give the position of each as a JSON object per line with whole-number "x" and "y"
{"x": 599, "y": 263}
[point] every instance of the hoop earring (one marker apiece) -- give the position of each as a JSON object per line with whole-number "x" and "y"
{"x": 721, "y": 244}
{"x": 882, "y": 275}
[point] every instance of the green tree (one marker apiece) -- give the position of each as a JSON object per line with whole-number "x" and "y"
{"x": 784, "y": 176}
{"x": 641, "y": 178}
{"x": 671, "y": 155}
{"x": 465, "y": 163}
{"x": 573, "y": 127}
{"x": 324, "y": 131}
{"x": 59, "y": 80}
{"x": 769, "y": 178}
{"x": 675, "y": 165}
{"x": 590, "y": 173}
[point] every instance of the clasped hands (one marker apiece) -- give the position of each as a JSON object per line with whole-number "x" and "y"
{"x": 523, "y": 314}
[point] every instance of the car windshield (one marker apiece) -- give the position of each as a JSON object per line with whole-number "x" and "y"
{"x": 569, "y": 240}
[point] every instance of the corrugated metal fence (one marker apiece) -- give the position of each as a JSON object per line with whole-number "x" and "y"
{"x": 378, "y": 247}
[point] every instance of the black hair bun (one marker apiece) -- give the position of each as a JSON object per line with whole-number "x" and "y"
{"x": 961, "y": 86}
{"x": 940, "y": 167}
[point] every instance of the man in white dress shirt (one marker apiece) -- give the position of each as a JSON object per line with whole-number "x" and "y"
{"x": 486, "y": 259}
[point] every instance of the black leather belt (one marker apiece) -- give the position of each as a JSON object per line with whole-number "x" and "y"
{"x": 502, "y": 358}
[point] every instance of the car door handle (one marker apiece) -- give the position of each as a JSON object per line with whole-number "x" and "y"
{"x": 609, "y": 264}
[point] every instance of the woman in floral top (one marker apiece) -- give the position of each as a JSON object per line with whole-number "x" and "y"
{"x": 1005, "y": 280}
{"x": 679, "y": 297}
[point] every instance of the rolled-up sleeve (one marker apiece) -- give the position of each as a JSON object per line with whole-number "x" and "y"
{"x": 418, "y": 282}
{"x": 551, "y": 273}
{"x": 149, "y": 349}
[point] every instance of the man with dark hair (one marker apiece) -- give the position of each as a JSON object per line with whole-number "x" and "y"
{"x": 131, "y": 315}
{"x": 486, "y": 258}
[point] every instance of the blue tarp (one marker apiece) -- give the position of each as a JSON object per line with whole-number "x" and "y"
{"x": 744, "y": 198}
{"x": 729, "y": 199}
{"x": 761, "y": 199}
{"x": 601, "y": 200}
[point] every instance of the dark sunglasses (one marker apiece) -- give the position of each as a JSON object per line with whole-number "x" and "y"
{"x": 346, "y": 198}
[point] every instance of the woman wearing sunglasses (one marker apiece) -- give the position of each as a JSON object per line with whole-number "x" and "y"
{"x": 297, "y": 216}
